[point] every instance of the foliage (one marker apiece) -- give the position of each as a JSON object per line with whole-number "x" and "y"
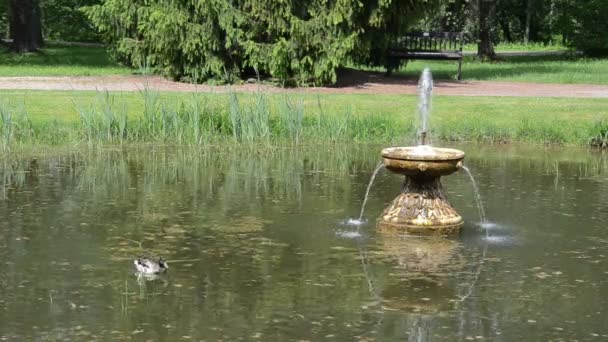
{"x": 3, "y": 19}
{"x": 295, "y": 41}
{"x": 63, "y": 20}
{"x": 580, "y": 23}
{"x": 589, "y": 25}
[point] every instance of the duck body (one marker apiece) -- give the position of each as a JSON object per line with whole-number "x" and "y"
{"x": 149, "y": 266}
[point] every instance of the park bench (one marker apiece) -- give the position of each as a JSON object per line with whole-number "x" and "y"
{"x": 426, "y": 45}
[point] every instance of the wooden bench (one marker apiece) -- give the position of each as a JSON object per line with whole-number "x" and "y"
{"x": 426, "y": 45}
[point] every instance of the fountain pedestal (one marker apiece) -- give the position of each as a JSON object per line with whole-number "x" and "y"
{"x": 422, "y": 207}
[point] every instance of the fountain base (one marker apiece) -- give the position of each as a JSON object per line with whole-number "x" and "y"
{"x": 421, "y": 208}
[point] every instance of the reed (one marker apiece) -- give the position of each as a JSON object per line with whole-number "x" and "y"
{"x": 332, "y": 127}
{"x": 598, "y": 134}
{"x": 250, "y": 120}
{"x": 15, "y": 126}
{"x": 261, "y": 119}
{"x": 104, "y": 121}
{"x": 6, "y": 126}
{"x": 292, "y": 117}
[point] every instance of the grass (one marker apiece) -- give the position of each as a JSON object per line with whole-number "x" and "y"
{"x": 58, "y": 60}
{"x": 520, "y": 47}
{"x": 535, "y": 69}
{"x": 50, "y": 118}
{"x": 61, "y": 60}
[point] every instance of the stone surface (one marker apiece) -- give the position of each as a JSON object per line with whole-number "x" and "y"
{"x": 421, "y": 208}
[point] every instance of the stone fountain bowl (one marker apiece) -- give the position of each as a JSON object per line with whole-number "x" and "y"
{"x": 422, "y": 161}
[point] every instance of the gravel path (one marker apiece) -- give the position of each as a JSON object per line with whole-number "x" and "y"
{"x": 353, "y": 83}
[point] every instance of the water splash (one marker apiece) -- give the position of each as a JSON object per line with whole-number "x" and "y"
{"x": 354, "y": 221}
{"x": 423, "y": 150}
{"x": 369, "y": 186}
{"x": 482, "y": 212}
{"x": 488, "y": 225}
{"x": 499, "y": 240}
{"x": 425, "y": 89}
{"x": 347, "y": 234}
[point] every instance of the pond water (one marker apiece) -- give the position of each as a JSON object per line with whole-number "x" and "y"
{"x": 258, "y": 248}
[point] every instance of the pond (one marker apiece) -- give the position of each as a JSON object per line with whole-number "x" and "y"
{"x": 258, "y": 249}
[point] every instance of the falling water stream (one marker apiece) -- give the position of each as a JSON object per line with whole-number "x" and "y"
{"x": 369, "y": 186}
{"x": 482, "y": 212}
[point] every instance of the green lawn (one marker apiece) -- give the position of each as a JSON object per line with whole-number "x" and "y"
{"x": 520, "y": 47}
{"x": 56, "y": 60}
{"x": 546, "y": 69}
{"x": 361, "y": 118}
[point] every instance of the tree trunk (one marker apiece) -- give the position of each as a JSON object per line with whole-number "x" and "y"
{"x": 529, "y": 8}
{"x": 487, "y": 16}
{"x": 25, "y": 25}
{"x": 506, "y": 29}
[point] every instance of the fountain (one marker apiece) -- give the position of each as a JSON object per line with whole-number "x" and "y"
{"x": 422, "y": 207}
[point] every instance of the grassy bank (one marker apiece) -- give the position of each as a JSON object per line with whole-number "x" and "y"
{"x": 55, "y": 118}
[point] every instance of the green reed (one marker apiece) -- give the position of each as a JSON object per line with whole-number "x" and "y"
{"x": 15, "y": 126}
{"x": 333, "y": 127}
{"x": 6, "y": 126}
{"x": 250, "y": 120}
{"x": 104, "y": 121}
{"x": 598, "y": 134}
{"x": 261, "y": 119}
{"x": 292, "y": 117}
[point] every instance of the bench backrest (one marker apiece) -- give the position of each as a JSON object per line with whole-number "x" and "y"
{"x": 431, "y": 42}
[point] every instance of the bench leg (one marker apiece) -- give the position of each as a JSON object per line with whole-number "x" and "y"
{"x": 460, "y": 69}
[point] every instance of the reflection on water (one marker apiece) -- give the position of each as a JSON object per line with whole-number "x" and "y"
{"x": 258, "y": 248}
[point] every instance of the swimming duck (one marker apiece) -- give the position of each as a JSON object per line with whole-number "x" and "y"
{"x": 148, "y": 266}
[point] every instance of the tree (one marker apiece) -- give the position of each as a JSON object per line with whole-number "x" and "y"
{"x": 487, "y": 23}
{"x": 25, "y": 25}
{"x": 529, "y": 9}
{"x": 296, "y": 41}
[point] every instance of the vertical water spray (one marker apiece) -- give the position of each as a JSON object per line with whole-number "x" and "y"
{"x": 422, "y": 207}
{"x": 425, "y": 90}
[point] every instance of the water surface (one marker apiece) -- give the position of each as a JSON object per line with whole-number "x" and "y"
{"x": 258, "y": 248}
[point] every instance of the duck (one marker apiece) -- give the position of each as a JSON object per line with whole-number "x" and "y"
{"x": 146, "y": 265}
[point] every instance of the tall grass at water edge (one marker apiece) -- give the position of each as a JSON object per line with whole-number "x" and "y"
{"x": 243, "y": 120}
{"x": 15, "y": 126}
{"x": 260, "y": 119}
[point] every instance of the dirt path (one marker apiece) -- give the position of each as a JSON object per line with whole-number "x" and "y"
{"x": 353, "y": 83}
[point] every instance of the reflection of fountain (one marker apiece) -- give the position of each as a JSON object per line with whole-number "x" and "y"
{"x": 422, "y": 266}
{"x": 422, "y": 207}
